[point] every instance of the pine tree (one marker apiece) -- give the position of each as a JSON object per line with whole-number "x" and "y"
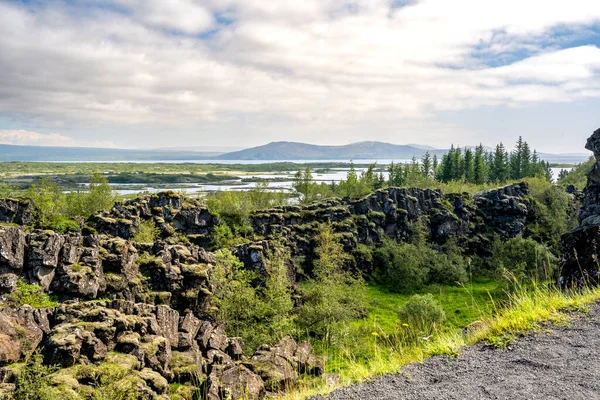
{"x": 499, "y": 168}
{"x": 479, "y": 167}
{"x": 526, "y": 170}
{"x": 426, "y": 165}
{"x": 516, "y": 160}
{"x": 469, "y": 166}
{"x": 435, "y": 165}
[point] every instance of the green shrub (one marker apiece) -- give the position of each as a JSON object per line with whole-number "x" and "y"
{"x": 551, "y": 213}
{"x": 257, "y": 314}
{"x": 334, "y": 295}
{"x": 401, "y": 267}
{"x": 33, "y": 382}
{"x": 99, "y": 196}
{"x": 235, "y": 207}
{"x": 423, "y": 314}
{"x": 48, "y": 199}
{"x": 525, "y": 259}
{"x": 147, "y": 232}
{"x": 577, "y": 176}
{"x": 30, "y": 294}
{"x": 405, "y": 267}
{"x": 448, "y": 267}
{"x": 62, "y": 224}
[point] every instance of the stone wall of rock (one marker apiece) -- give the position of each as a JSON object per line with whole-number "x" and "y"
{"x": 171, "y": 212}
{"x": 581, "y": 247}
{"x": 392, "y": 213}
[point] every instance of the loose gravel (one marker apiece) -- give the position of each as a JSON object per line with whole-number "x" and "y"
{"x": 556, "y": 363}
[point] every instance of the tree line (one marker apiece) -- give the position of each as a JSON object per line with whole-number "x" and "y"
{"x": 475, "y": 166}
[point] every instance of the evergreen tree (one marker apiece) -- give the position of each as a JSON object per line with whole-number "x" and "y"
{"x": 526, "y": 167}
{"x": 479, "y": 166}
{"x": 499, "y": 167}
{"x": 426, "y": 165}
{"x": 516, "y": 160}
{"x": 469, "y": 166}
{"x": 435, "y": 166}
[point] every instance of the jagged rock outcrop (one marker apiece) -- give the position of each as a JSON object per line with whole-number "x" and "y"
{"x": 16, "y": 211}
{"x": 167, "y": 346}
{"x": 581, "y": 248}
{"x": 170, "y": 211}
{"x": 394, "y": 213}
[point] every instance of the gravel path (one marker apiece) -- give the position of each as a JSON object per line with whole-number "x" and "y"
{"x": 558, "y": 363}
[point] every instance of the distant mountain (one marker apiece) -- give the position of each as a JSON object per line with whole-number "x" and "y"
{"x": 50, "y": 153}
{"x": 275, "y": 151}
{"x": 354, "y": 151}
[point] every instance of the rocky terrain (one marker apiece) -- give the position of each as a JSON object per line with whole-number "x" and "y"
{"x": 581, "y": 247}
{"x": 148, "y": 305}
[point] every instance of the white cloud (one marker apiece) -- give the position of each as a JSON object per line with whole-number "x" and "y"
{"x": 320, "y": 61}
{"x": 23, "y": 137}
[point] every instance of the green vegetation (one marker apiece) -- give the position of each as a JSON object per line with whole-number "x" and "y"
{"x": 147, "y": 232}
{"x": 34, "y": 381}
{"x": 576, "y": 176}
{"x": 524, "y": 259}
{"x": 423, "y": 314}
{"x": 334, "y": 295}
{"x": 59, "y": 211}
{"x": 234, "y": 209}
{"x": 30, "y": 294}
{"x": 406, "y": 266}
{"x": 256, "y": 314}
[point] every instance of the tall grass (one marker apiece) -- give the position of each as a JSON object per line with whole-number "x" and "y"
{"x": 525, "y": 310}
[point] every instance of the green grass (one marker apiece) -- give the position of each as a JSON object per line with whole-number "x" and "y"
{"x": 369, "y": 351}
{"x": 357, "y": 349}
{"x": 462, "y": 304}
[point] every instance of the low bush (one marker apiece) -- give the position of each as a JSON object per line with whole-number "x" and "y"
{"x": 334, "y": 295}
{"x": 406, "y": 267}
{"x": 258, "y": 313}
{"x": 147, "y": 232}
{"x": 30, "y": 294}
{"x": 34, "y": 382}
{"x": 524, "y": 258}
{"x": 422, "y": 315}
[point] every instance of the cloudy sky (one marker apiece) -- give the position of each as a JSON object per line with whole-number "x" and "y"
{"x": 194, "y": 73}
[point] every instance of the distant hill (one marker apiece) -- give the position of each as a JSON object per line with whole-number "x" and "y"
{"x": 354, "y": 151}
{"x": 50, "y": 153}
{"x": 276, "y": 151}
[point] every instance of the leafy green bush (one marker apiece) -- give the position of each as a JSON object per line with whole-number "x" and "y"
{"x": 406, "y": 266}
{"x": 33, "y": 382}
{"x": 30, "y": 294}
{"x": 577, "y": 176}
{"x": 525, "y": 259}
{"x": 401, "y": 267}
{"x": 551, "y": 213}
{"x": 147, "y": 232}
{"x": 257, "y": 314}
{"x": 48, "y": 199}
{"x": 60, "y": 224}
{"x": 448, "y": 267}
{"x": 334, "y": 295}
{"x": 99, "y": 196}
{"x": 234, "y": 208}
{"x": 422, "y": 313}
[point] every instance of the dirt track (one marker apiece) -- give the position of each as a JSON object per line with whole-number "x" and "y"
{"x": 558, "y": 363}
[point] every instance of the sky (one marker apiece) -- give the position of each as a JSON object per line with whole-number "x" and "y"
{"x": 239, "y": 73}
